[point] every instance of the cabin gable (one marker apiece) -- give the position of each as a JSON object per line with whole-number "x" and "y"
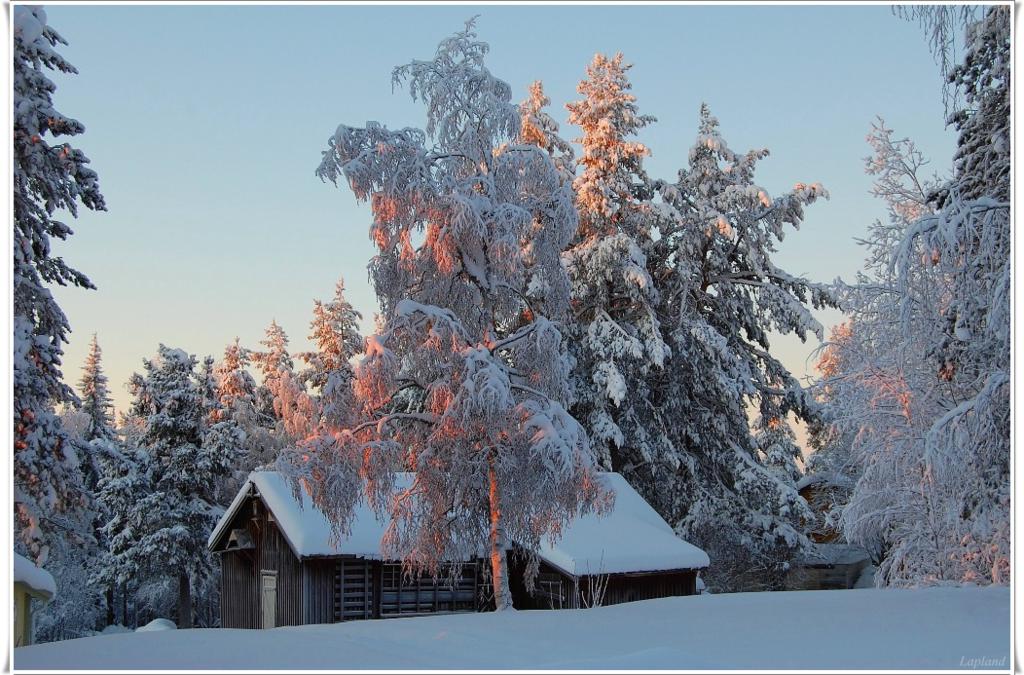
{"x": 251, "y": 547}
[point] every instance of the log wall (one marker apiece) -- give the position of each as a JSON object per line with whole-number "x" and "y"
{"x": 557, "y": 590}
{"x": 241, "y": 571}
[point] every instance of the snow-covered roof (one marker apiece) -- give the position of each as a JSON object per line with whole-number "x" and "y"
{"x": 828, "y": 477}
{"x": 36, "y": 578}
{"x": 304, "y": 526}
{"x": 833, "y": 553}
{"x": 631, "y": 538}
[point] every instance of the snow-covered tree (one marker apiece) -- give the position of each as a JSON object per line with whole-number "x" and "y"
{"x": 615, "y": 333}
{"x": 120, "y": 491}
{"x": 94, "y": 395}
{"x": 237, "y": 401}
{"x": 871, "y": 385}
{"x": 465, "y": 382}
{"x": 281, "y": 395}
{"x": 94, "y": 435}
{"x": 777, "y": 448}
{"x": 335, "y": 332}
{"x": 49, "y": 176}
{"x": 721, "y": 296}
{"x": 80, "y": 606}
{"x": 164, "y": 506}
{"x": 546, "y": 282}
{"x": 235, "y": 386}
{"x": 537, "y": 127}
{"x": 922, "y": 383}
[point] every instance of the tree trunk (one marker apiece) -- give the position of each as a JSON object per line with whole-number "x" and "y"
{"x": 124, "y": 605}
{"x": 184, "y": 601}
{"x": 499, "y": 562}
{"x": 110, "y": 605}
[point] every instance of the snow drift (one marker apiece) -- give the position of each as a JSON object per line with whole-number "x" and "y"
{"x": 936, "y": 628}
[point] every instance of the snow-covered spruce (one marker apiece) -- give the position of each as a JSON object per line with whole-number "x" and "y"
{"x": 78, "y": 546}
{"x": 282, "y": 396}
{"x": 329, "y": 374}
{"x": 465, "y": 381}
{"x": 721, "y": 294}
{"x": 616, "y": 336}
{"x": 163, "y": 503}
{"x": 49, "y": 176}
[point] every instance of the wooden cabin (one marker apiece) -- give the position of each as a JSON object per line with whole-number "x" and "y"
{"x": 279, "y": 566}
{"x": 30, "y": 583}
{"x": 821, "y": 491}
{"x": 831, "y": 563}
{"x": 828, "y": 566}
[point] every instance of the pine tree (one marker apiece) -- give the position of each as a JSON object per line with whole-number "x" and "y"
{"x": 464, "y": 383}
{"x": 546, "y": 283}
{"x": 281, "y": 395}
{"x": 615, "y": 332}
{"x": 335, "y": 332}
{"x": 722, "y": 295}
{"x": 94, "y": 395}
{"x": 165, "y": 506}
{"x": 47, "y": 178}
{"x": 237, "y": 402}
{"x": 537, "y": 127}
{"x": 101, "y": 451}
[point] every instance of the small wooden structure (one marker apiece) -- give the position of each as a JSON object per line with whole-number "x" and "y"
{"x": 279, "y": 566}
{"x": 30, "y": 582}
{"x": 831, "y": 563}
{"x": 820, "y": 491}
{"x": 828, "y": 566}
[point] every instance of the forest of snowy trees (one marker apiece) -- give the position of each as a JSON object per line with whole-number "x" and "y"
{"x": 547, "y": 311}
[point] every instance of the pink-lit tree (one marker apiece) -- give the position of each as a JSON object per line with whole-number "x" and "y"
{"x": 335, "y": 332}
{"x": 464, "y": 382}
{"x": 282, "y": 396}
{"x": 918, "y": 383}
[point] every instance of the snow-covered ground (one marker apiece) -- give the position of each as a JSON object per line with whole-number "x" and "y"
{"x": 938, "y": 628}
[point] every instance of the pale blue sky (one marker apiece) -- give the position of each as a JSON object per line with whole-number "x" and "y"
{"x": 205, "y": 124}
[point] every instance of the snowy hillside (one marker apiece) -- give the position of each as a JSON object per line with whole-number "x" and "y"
{"x": 938, "y": 628}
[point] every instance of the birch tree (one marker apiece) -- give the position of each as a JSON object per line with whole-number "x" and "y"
{"x": 923, "y": 387}
{"x": 464, "y": 383}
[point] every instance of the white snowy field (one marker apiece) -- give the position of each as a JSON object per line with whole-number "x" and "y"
{"x": 938, "y": 628}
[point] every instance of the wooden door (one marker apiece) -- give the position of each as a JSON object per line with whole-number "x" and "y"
{"x": 268, "y": 598}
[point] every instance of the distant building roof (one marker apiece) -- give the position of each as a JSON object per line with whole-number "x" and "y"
{"x": 826, "y": 477}
{"x": 832, "y": 553}
{"x": 631, "y": 538}
{"x": 39, "y": 581}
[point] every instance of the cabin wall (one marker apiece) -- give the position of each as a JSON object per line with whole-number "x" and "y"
{"x": 319, "y": 600}
{"x": 557, "y": 590}
{"x": 825, "y": 577}
{"x": 276, "y": 556}
{"x": 241, "y": 571}
{"x": 455, "y": 590}
{"x": 239, "y": 595}
{"x": 632, "y": 587}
